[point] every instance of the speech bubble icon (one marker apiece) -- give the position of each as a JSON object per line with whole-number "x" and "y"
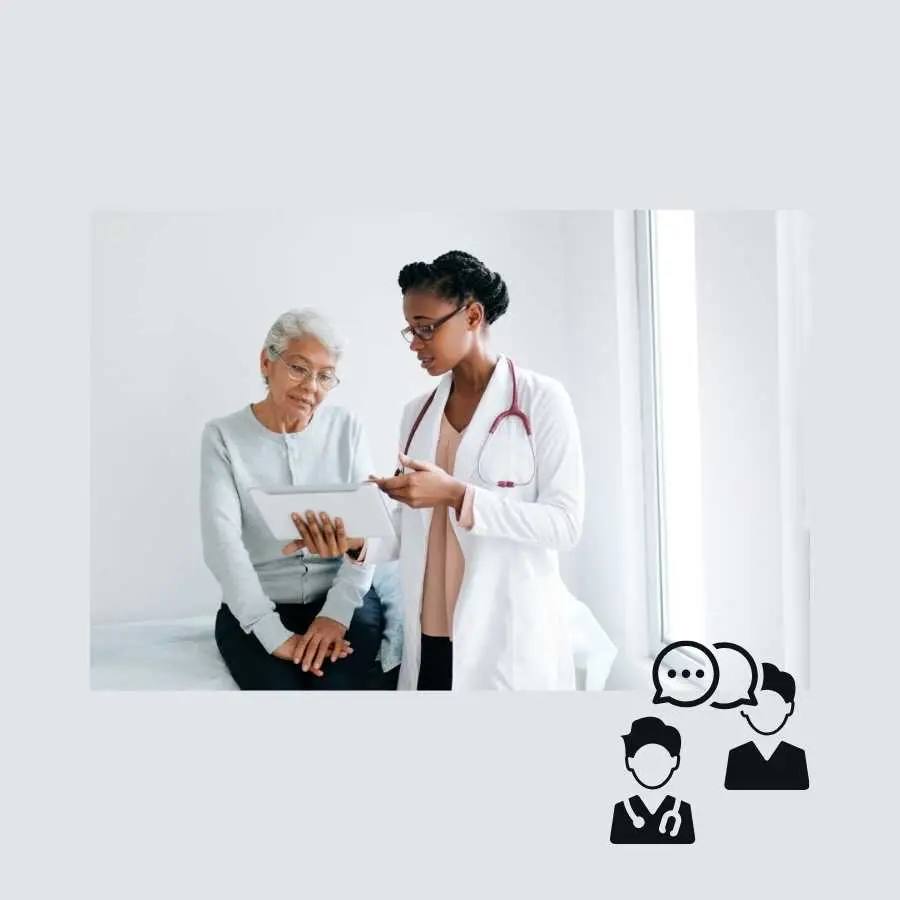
{"x": 685, "y": 673}
{"x": 738, "y": 679}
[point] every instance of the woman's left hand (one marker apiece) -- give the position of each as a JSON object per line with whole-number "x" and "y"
{"x": 426, "y": 486}
{"x": 323, "y": 639}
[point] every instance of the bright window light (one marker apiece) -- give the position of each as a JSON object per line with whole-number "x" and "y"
{"x": 678, "y": 410}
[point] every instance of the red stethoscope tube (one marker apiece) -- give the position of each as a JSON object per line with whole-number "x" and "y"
{"x": 512, "y": 411}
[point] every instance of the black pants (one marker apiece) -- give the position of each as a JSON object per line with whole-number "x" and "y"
{"x": 254, "y": 669}
{"x": 436, "y": 664}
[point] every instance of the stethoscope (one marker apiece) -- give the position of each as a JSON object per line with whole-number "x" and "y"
{"x": 673, "y": 814}
{"x": 513, "y": 411}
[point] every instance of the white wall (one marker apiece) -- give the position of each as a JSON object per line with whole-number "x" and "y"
{"x": 794, "y": 235}
{"x": 181, "y": 305}
{"x": 737, "y": 309}
{"x": 606, "y": 569}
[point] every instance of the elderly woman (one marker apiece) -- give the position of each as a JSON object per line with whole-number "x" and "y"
{"x": 299, "y": 621}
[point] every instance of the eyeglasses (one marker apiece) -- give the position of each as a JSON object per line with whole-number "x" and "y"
{"x": 326, "y": 380}
{"x": 426, "y": 332}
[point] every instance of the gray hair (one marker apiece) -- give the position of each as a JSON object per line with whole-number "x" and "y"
{"x": 300, "y": 323}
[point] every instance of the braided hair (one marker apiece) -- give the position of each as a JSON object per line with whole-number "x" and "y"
{"x": 458, "y": 276}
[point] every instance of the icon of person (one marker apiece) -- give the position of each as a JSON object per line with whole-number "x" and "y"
{"x": 767, "y": 763}
{"x": 652, "y": 754}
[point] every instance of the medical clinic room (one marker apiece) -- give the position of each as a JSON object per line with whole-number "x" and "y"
{"x": 521, "y": 450}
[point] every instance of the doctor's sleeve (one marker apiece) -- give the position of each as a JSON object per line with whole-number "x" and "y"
{"x": 555, "y": 519}
{"x": 223, "y": 547}
{"x": 354, "y": 577}
{"x": 686, "y": 831}
{"x": 621, "y": 831}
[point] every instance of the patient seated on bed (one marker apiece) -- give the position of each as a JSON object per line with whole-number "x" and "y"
{"x": 310, "y": 619}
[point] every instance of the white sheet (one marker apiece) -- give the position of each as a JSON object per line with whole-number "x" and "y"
{"x": 178, "y": 654}
{"x": 181, "y": 654}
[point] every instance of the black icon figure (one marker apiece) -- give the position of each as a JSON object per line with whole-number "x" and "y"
{"x": 652, "y": 754}
{"x": 784, "y": 768}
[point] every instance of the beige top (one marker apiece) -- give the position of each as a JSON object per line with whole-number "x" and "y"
{"x": 444, "y": 563}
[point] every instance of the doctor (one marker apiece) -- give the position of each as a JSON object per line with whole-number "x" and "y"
{"x": 652, "y": 755}
{"x": 490, "y": 488}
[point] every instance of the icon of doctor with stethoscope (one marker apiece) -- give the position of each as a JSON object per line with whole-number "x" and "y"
{"x": 489, "y": 490}
{"x": 652, "y": 754}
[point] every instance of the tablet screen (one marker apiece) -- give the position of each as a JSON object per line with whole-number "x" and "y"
{"x": 362, "y": 507}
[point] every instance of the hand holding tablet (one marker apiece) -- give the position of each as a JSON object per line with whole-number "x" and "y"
{"x": 322, "y": 537}
{"x": 361, "y": 507}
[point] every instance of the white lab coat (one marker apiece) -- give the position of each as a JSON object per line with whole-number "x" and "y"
{"x": 515, "y": 626}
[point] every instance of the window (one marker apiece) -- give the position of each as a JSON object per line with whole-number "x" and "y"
{"x": 741, "y": 560}
{"x": 666, "y": 283}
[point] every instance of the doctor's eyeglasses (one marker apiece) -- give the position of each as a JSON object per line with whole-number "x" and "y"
{"x": 325, "y": 380}
{"x": 426, "y": 332}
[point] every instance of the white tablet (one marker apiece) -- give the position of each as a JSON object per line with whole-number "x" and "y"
{"x": 363, "y": 507}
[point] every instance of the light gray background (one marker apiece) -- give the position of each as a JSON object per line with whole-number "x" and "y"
{"x": 678, "y": 105}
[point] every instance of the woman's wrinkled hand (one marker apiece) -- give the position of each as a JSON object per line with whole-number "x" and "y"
{"x": 293, "y": 648}
{"x": 323, "y": 639}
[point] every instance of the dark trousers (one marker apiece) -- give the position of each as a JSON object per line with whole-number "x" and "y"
{"x": 254, "y": 669}
{"x": 436, "y": 664}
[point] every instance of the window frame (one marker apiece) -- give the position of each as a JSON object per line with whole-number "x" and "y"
{"x": 654, "y": 518}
